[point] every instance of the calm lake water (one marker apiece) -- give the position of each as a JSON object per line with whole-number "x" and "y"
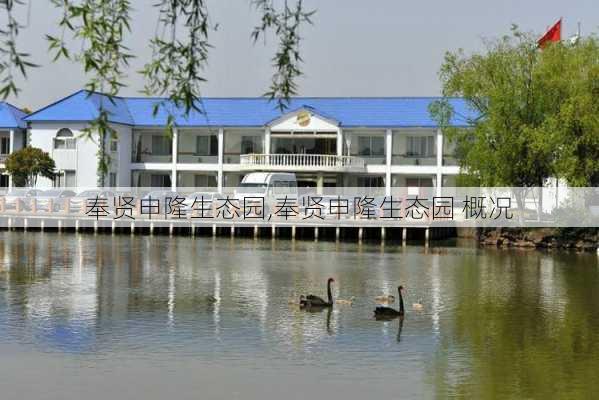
{"x": 103, "y": 317}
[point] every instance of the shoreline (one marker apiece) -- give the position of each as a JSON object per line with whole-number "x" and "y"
{"x": 580, "y": 239}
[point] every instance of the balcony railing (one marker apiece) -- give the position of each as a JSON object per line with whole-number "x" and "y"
{"x": 306, "y": 162}
{"x": 3, "y": 157}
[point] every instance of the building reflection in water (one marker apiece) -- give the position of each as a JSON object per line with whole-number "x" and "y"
{"x": 435, "y": 293}
{"x": 123, "y": 295}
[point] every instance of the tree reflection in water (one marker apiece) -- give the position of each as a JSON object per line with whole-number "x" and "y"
{"x": 515, "y": 324}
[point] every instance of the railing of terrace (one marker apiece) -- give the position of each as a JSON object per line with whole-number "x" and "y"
{"x": 302, "y": 161}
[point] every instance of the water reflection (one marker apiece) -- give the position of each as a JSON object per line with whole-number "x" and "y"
{"x": 495, "y": 323}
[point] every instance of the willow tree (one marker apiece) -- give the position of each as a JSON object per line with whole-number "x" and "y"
{"x": 537, "y": 111}
{"x": 571, "y": 77}
{"x": 97, "y": 31}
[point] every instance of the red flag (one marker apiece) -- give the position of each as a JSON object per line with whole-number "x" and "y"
{"x": 554, "y": 34}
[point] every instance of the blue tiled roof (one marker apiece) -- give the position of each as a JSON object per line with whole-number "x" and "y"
{"x": 253, "y": 112}
{"x": 11, "y": 117}
{"x": 83, "y": 106}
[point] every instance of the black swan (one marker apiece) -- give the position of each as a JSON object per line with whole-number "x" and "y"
{"x": 388, "y": 312}
{"x": 399, "y": 328}
{"x": 311, "y": 301}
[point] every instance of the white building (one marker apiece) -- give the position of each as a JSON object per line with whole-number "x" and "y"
{"x": 12, "y": 137}
{"x": 365, "y": 142}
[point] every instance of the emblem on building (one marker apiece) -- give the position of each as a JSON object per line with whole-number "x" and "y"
{"x": 303, "y": 118}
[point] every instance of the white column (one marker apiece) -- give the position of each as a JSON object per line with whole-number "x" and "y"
{"x": 388, "y": 153}
{"x": 267, "y": 140}
{"x": 319, "y": 183}
{"x": 12, "y": 142}
{"x": 174, "y": 152}
{"x": 439, "y": 161}
{"x": 339, "y": 141}
{"x": 11, "y": 149}
{"x": 221, "y": 148}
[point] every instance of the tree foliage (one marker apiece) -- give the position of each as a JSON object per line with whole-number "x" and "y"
{"x": 286, "y": 62}
{"x": 536, "y": 111}
{"x": 572, "y": 132}
{"x": 101, "y": 26}
{"x": 13, "y": 62}
{"x": 26, "y": 164}
{"x": 180, "y": 53}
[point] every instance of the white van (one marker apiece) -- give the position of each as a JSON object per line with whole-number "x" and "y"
{"x": 272, "y": 186}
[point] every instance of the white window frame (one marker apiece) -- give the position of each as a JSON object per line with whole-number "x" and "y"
{"x": 112, "y": 178}
{"x": 421, "y": 146}
{"x": 65, "y": 137}
{"x": 165, "y": 141}
{"x": 255, "y": 142}
{"x": 362, "y": 151}
{"x": 61, "y": 179}
{"x": 205, "y": 151}
{"x": 113, "y": 145}
{"x": 4, "y": 142}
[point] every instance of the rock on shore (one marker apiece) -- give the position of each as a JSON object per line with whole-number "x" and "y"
{"x": 584, "y": 239}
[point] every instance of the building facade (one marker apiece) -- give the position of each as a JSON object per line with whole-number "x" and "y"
{"x": 327, "y": 142}
{"x": 12, "y": 137}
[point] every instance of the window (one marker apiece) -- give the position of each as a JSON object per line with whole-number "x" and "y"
{"x": 206, "y": 145}
{"x": 421, "y": 146}
{"x": 204, "y": 181}
{"x": 67, "y": 178}
{"x": 161, "y": 145}
{"x": 371, "y": 146}
{"x": 70, "y": 179}
{"x": 112, "y": 179}
{"x": 114, "y": 145}
{"x": 5, "y": 145}
{"x": 419, "y": 182}
{"x": 285, "y": 187}
{"x": 251, "y": 144}
{"x": 3, "y": 181}
{"x": 371, "y": 181}
{"x": 65, "y": 140}
{"x": 160, "y": 181}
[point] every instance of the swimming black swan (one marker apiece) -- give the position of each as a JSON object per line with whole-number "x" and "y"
{"x": 311, "y": 301}
{"x": 388, "y": 312}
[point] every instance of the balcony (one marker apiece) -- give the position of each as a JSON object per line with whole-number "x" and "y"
{"x": 301, "y": 162}
{"x": 3, "y": 158}
{"x": 407, "y": 159}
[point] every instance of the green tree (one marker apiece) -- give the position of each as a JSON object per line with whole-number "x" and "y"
{"x": 26, "y": 164}
{"x": 571, "y": 76}
{"x": 537, "y": 111}
{"x": 501, "y": 147}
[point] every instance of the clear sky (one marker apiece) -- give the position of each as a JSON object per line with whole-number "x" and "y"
{"x": 354, "y": 48}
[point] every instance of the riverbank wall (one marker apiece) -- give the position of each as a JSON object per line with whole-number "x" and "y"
{"x": 583, "y": 239}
